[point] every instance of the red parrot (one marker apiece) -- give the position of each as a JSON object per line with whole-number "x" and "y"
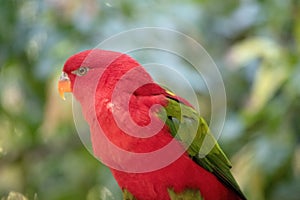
{"x": 124, "y": 107}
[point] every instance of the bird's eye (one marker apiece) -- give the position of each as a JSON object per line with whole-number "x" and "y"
{"x": 81, "y": 71}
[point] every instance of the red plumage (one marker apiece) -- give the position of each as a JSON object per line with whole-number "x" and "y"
{"x": 100, "y": 106}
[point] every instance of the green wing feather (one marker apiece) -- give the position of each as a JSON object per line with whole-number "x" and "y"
{"x": 187, "y": 194}
{"x": 127, "y": 195}
{"x": 191, "y": 129}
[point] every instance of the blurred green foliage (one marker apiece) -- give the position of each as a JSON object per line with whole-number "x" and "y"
{"x": 255, "y": 43}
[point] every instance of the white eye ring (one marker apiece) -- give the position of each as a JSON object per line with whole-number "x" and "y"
{"x": 81, "y": 71}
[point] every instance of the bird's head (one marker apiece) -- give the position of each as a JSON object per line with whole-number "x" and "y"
{"x": 82, "y": 65}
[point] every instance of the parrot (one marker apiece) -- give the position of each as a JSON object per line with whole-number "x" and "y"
{"x": 123, "y": 107}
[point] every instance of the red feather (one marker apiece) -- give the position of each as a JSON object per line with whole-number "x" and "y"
{"x": 181, "y": 174}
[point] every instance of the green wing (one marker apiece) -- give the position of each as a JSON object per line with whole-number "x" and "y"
{"x": 187, "y": 194}
{"x": 188, "y": 127}
{"x": 127, "y": 195}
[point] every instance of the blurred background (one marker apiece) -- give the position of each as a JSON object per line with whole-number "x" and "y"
{"x": 255, "y": 44}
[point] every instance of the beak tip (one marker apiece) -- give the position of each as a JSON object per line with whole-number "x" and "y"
{"x": 61, "y": 94}
{"x": 63, "y": 97}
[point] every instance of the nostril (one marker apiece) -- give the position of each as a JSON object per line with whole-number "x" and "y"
{"x": 64, "y": 76}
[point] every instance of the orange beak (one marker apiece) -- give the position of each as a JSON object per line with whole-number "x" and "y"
{"x": 64, "y": 85}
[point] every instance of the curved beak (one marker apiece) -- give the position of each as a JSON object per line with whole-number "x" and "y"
{"x": 64, "y": 85}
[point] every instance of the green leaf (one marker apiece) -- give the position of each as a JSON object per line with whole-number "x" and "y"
{"x": 15, "y": 196}
{"x": 273, "y": 68}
